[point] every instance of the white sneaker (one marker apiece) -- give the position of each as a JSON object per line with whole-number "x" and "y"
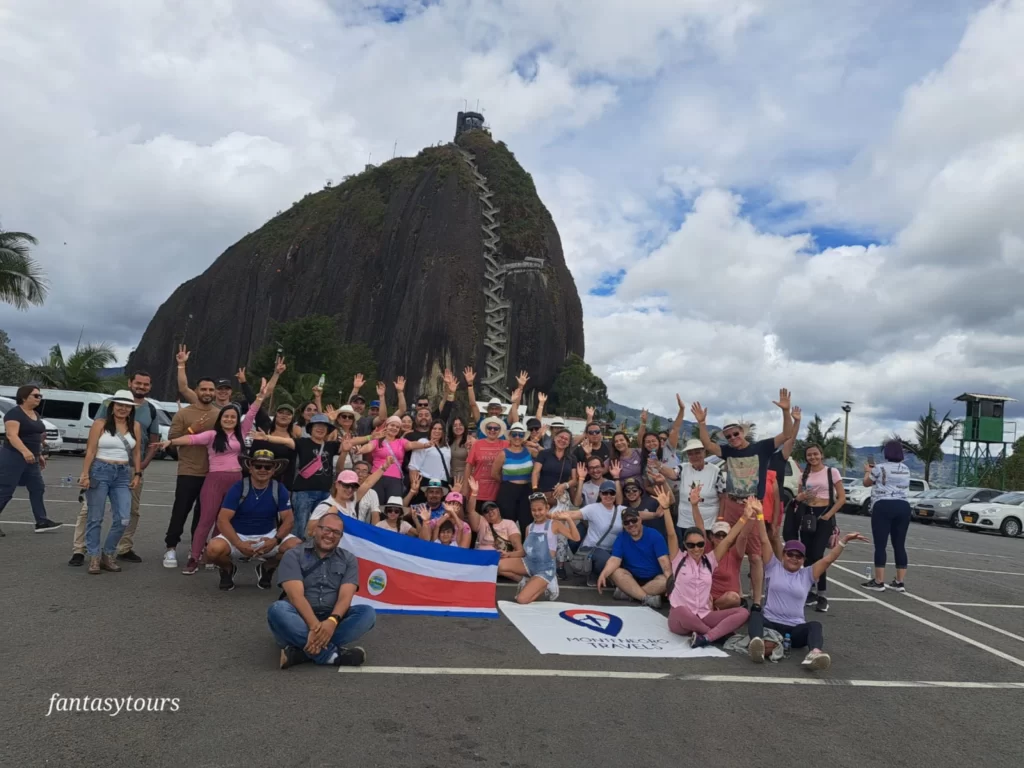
{"x": 522, "y": 583}
{"x": 652, "y": 601}
{"x": 756, "y": 650}
{"x": 170, "y": 559}
{"x": 817, "y": 660}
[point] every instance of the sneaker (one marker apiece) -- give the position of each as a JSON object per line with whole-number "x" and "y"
{"x": 592, "y": 578}
{"x": 349, "y": 657}
{"x": 618, "y": 594}
{"x": 47, "y": 526}
{"x": 822, "y": 604}
{"x": 107, "y": 563}
{"x": 874, "y": 586}
{"x": 560, "y": 573}
{"x": 817, "y": 660}
{"x": 652, "y": 601}
{"x": 756, "y": 650}
{"x": 292, "y": 656}
{"x": 170, "y": 559}
{"x": 264, "y": 576}
{"x": 77, "y": 559}
{"x": 812, "y": 600}
{"x": 521, "y": 584}
{"x": 699, "y": 641}
{"x": 227, "y": 578}
{"x": 895, "y": 586}
{"x": 129, "y": 557}
{"x": 191, "y": 567}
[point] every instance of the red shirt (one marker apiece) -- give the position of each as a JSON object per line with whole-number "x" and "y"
{"x": 480, "y": 460}
{"x": 726, "y": 577}
{"x": 770, "y": 494}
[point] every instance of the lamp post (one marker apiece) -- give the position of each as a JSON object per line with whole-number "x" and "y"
{"x": 846, "y": 431}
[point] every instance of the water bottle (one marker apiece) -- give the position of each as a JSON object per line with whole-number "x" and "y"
{"x": 320, "y": 383}
{"x": 787, "y": 644}
{"x": 868, "y": 576}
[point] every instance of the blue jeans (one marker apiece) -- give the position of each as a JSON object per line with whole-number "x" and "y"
{"x": 303, "y": 504}
{"x": 15, "y": 471}
{"x": 600, "y": 559}
{"x": 107, "y": 481}
{"x": 289, "y": 629}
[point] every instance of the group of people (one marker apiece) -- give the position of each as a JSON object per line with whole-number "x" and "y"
{"x": 273, "y": 488}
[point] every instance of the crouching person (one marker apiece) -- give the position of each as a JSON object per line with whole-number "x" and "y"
{"x": 639, "y": 565}
{"x": 317, "y": 621}
{"x": 255, "y": 522}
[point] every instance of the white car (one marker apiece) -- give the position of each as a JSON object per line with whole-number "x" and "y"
{"x": 53, "y": 443}
{"x": 1004, "y": 513}
{"x": 858, "y": 496}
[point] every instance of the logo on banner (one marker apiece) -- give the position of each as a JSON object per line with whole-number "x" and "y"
{"x": 377, "y": 582}
{"x": 596, "y": 621}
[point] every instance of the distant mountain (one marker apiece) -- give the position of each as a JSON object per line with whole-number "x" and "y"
{"x": 623, "y": 413}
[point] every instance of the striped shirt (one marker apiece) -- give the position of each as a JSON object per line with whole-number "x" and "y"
{"x": 518, "y": 466}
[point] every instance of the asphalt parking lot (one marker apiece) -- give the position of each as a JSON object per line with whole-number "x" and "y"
{"x": 934, "y": 677}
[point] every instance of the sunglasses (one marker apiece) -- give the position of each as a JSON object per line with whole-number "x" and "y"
{"x": 515, "y": 434}
{"x": 731, "y": 435}
{"x": 351, "y": 486}
{"x": 36, "y": 395}
{"x": 539, "y": 496}
{"x": 346, "y": 416}
{"x": 593, "y": 431}
{"x": 607, "y": 493}
{"x": 694, "y": 545}
{"x": 392, "y": 511}
{"x": 493, "y": 428}
{"x": 719, "y": 535}
{"x": 795, "y": 554}
{"x": 631, "y": 488}
{"x": 629, "y": 522}
{"x": 261, "y": 466}
{"x": 329, "y": 531}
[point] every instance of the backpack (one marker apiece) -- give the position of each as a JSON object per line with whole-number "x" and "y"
{"x": 274, "y": 487}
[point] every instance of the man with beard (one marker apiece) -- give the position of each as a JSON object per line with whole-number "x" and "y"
{"x": 223, "y": 388}
{"x": 145, "y": 416}
{"x": 193, "y": 464}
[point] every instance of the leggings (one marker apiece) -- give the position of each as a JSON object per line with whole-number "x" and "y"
{"x": 808, "y": 635}
{"x": 890, "y": 518}
{"x": 715, "y": 625}
{"x": 817, "y": 542}
{"x": 513, "y": 500}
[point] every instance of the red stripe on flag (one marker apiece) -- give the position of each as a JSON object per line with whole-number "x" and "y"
{"x": 399, "y": 587}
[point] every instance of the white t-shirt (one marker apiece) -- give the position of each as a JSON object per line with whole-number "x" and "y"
{"x": 590, "y": 493}
{"x": 330, "y": 505}
{"x": 369, "y": 504}
{"x": 598, "y": 518}
{"x": 708, "y": 479}
{"x": 892, "y": 481}
{"x": 428, "y": 462}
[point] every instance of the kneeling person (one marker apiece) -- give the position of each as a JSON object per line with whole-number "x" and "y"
{"x": 317, "y": 620}
{"x": 639, "y": 565}
{"x": 249, "y": 522}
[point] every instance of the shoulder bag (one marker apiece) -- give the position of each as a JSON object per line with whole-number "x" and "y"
{"x": 582, "y": 561}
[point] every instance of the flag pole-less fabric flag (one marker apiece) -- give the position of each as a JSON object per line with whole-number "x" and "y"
{"x": 402, "y": 574}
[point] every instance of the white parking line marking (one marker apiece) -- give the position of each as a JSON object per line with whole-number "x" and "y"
{"x": 932, "y": 624}
{"x": 978, "y": 605}
{"x": 940, "y": 567}
{"x": 612, "y": 675}
{"x": 958, "y": 552}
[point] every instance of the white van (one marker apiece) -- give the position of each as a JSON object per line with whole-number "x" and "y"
{"x": 71, "y": 412}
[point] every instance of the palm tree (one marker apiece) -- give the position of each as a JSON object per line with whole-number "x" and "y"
{"x": 830, "y": 441}
{"x": 80, "y": 372}
{"x": 22, "y": 282}
{"x": 929, "y": 435}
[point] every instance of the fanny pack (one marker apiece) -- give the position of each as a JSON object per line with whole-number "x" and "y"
{"x": 314, "y": 466}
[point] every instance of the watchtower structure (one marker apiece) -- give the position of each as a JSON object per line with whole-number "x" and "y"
{"x": 982, "y": 438}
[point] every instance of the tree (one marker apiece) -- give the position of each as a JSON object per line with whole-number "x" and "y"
{"x": 655, "y": 425}
{"x": 1011, "y": 469}
{"x": 80, "y": 372}
{"x": 576, "y": 387}
{"x": 12, "y": 368}
{"x": 929, "y": 435}
{"x": 829, "y": 440}
{"x": 311, "y": 347}
{"x": 22, "y": 282}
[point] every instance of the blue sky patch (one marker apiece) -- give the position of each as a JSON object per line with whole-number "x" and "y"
{"x": 608, "y": 283}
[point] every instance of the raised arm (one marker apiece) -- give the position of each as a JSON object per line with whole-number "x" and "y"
{"x": 671, "y": 537}
{"x": 677, "y": 425}
{"x": 770, "y": 547}
{"x": 474, "y": 410}
{"x": 280, "y": 440}
{"x": 642, "y": 429}
{"x": 371, "y": 479}
{"x": 577, "y": 494}
{"x": 787, "y": 447}
{"x": 451, "y": 387}
{"x": 701, "y": 415}
{"x": 751, "y": 508}
{"x": 357, "y": 384}
{"x": 187, "y": 394}
{"x": 472, "y": 517}
{"x": 517, "y": 397}
{"x": 382, "y": 415}
{"x": 822, "y": 565}
{"x": 542, "y": 400}
{"x": 400, "y": 389}
{"x": 787, "y": 418}
{"x": 254, "y": 408}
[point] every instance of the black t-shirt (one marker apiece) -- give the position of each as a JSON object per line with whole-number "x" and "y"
{"x": 554, "y": 470}
{"x": 305, "y": 452}
{"x": 747, "y": 468}
{"x": 602, "y": 452}
{"x": 30, "y": 431}
{"x": 286, "y": 475}
{"x": 650, "y": 504}
{"x": 364, "y": 425}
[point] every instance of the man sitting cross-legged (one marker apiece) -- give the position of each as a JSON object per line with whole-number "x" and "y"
{"x": 639, "y": 566}
{"x": 318, "y": 620}
{"x": 255, "y": 522}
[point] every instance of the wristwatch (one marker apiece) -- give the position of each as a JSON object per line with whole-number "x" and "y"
{"x": 336, "y": 617}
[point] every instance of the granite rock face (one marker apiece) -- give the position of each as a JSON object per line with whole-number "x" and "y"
{"x": 396, "y": 255}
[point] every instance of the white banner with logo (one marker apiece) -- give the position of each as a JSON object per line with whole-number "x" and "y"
{"x": 569, "y": 629}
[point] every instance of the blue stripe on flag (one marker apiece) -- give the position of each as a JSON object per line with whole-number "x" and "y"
{"x": 407, "y": 545}
{"x": 456, "y": 614}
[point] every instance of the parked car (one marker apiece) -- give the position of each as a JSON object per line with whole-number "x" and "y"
{"x": 1004, "y": 513}
{"x": 919, "y": 489}
{"x": 858, "y": 496}
{"x": 791, "y": 483}
{"x": 945, "y": 506}
{"x": 54, "y": 443}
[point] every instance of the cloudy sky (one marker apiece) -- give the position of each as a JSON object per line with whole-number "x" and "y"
{"x": 750, "y": 193}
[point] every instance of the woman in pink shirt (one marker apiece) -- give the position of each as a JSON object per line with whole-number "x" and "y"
{"x": 225, "y": 442}
{"x": 692, "y": 612}
{"x": 384, "y": 443}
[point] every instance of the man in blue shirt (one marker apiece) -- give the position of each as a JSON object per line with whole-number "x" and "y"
{"x": 255, "y": 522}
{"x": 639, "y": 566}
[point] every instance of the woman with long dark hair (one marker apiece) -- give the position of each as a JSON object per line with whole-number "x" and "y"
{"x": 225, "y": 443}
{"x": 284, "y": 419}
{"x": 21, "y": 457}
{"x": 112, "y": 468}
{"x": 306, "y": 411}
{"x": 627, "y": 456}
{"x": 434, "y": 463}
{"x": 458, "y": 442}
{"x": 890, "y": 514}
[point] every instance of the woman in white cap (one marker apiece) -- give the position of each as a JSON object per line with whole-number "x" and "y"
{"x": 394, "y": 513}
{"x": 513, "y": 467}
{"x": 112, "y": 468}
{"x": 482, "y": 456}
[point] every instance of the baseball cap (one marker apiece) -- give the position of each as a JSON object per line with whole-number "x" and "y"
{"x": 631, "y": 483}
{"x": 630, "y": 512}
{"x": 533, "y": 423}
{"x": 489, "y": 505}
{"x": 607, "y": 485}
{"x": 356, "y": 397}
{"x": 286, "y": 407}
{"x": 375, "y": 403}
{"x": 454, "y": 496}
{"x": 693, "y": 445}
{"x": 223, "y": 383}
{"x": 435, "y": 483}
{"x": 794, "y": 545}
{"x": 348, "y": 477}
{"x": 720, "y": 526}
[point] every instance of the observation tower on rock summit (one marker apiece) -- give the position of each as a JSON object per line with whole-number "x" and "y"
{"x": 497, "y": 308}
